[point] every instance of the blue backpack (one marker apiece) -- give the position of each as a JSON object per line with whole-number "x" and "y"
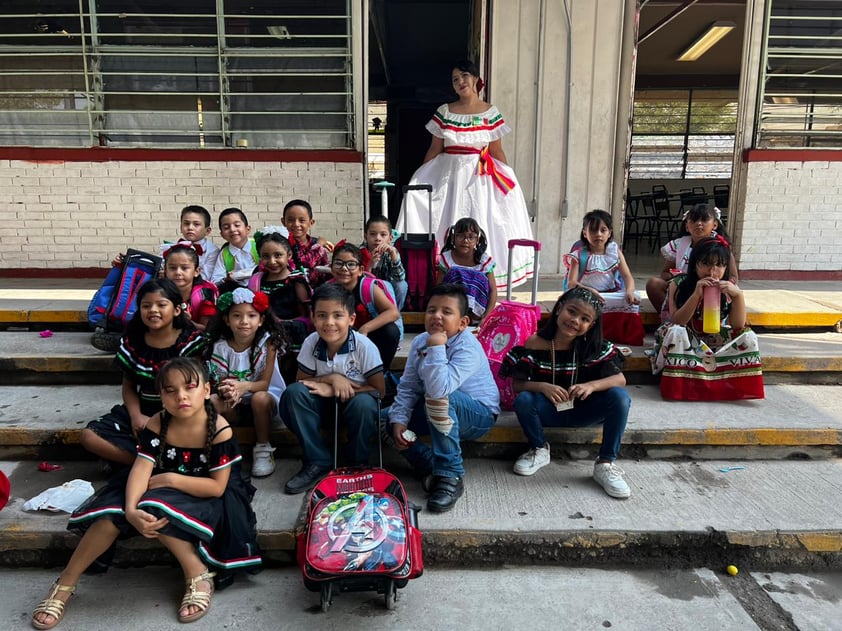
{"x": 114, "y": 303}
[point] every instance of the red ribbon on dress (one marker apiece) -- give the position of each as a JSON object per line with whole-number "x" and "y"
{"x": 485, "y": 166}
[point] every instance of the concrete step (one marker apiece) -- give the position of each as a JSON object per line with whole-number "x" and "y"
{"x": 67, "y": 357}
{"x": 770, "y": 514}
{"x": 794, "y": 421}
{"x": 37, "y": 303}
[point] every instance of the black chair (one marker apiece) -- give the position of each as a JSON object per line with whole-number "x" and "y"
{"x": 721, "y": 195}
{"x": 640, "y": 221}
{"x": 667, "y": 223}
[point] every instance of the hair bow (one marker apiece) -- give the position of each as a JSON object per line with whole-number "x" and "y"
{"x": 722, "y": 241}
{"x": 184, "y": 243}
{"x": 241, "y": 295}
{"x": 267, "y": 230}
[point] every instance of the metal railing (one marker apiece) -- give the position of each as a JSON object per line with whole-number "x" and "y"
{"x": 801, "y": 80}
{"x": 260, "y": 75}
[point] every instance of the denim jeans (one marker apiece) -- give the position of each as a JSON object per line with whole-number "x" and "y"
{"x": 608, "y": 407}
{"x": 304, "y": 413}
{"x": 387, "y": 339}
{"x": 471, "y": 420}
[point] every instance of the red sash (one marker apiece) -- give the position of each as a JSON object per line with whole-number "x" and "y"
{"x": 485, "y": 166}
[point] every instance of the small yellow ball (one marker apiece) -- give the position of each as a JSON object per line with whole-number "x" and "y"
{"x": 732, "y": 570}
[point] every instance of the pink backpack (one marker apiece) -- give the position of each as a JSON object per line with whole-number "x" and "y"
{"x": 509, "y": 325}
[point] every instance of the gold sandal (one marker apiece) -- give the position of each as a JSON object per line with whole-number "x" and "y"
{"x": 52, "y": 606}
{"x": 196, "y": 598}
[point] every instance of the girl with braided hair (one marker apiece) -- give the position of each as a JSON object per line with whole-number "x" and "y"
{"x": 567, "y": 375}
{"x": 185, "y": 489}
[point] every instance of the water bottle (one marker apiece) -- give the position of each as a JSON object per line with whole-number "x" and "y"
{"x": 710, "y": 309}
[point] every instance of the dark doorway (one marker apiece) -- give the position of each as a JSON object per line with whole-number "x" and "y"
{"x": 412, "y": 44}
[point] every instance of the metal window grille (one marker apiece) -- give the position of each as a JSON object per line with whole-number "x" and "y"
{"x": 191, "y": 74}
{"x": 801, "y": 87}
{"x": 683, "y": 134}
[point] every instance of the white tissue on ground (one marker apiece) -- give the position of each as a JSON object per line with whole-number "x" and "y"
{"x": 65, "y": 498}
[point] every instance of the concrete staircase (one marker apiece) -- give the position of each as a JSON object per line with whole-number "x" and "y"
{"x": 747, "y": 481}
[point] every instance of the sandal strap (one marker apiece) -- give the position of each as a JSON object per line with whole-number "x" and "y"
{"x": 53, "y": 606}
{"x": 195, "y": 597}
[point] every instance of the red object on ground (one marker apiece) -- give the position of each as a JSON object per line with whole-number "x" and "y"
{"x": 46, "y": 466}
{"x": 5, "y": 489}
{"x": 46, "y": 333}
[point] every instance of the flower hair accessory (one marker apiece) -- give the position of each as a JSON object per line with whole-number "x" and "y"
{"x": 241, "y": 295}
{"x": 184, "y": 243}
{"x": 267, "y": 230}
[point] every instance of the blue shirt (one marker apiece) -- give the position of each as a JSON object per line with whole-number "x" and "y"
{"x": 458, "y": 365}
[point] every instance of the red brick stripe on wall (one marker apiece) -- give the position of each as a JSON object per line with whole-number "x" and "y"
{"x": 792, "y": 155}
{"x": 110, "y": 154}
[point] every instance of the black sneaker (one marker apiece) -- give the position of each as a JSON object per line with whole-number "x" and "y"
{"x": 304, "y": 479}
{"x": 444, "y": 494}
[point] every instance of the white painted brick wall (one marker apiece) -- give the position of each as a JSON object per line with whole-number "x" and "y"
{"x": 792, "y": 216}
{"x": 80, "y": 214}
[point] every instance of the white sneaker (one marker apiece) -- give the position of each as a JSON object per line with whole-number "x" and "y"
{"x": 610, "y": 477}
{"x": 533, "y": 460}
{"x": 263, "y": 462}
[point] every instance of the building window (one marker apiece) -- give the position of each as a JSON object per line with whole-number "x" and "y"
{"x": 801, "y": 87}
{"x": 683, "y": 134}
{"x": 234, "y": 73}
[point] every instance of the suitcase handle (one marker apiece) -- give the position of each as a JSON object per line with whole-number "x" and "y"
{"x": 429, "y": 189}
{"x": 529, "y": 243}
{"x": 418, "y": 187}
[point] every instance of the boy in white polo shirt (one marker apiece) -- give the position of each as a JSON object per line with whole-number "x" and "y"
{"x": 334, "y": 362}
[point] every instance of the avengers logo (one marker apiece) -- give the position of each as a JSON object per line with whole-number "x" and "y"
{"x": 358, "y": 526}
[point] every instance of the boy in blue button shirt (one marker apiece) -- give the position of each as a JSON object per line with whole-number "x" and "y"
{"x": 448, "y": 391}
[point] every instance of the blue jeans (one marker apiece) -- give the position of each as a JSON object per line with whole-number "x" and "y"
{"x": 401, "y": 288}
{"x": 303, "y": 412}
{"x": 471, "y": 420}
{"x": 609, "y": 408}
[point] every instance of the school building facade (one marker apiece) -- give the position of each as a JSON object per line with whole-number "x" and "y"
{"x": 112, "y": 121}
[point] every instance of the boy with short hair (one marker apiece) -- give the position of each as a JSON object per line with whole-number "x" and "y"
{"x": 448, "y": 391}
{"x": 195, "y": 226}
{"x": 334, "y": 362}
{"x": 238, "y": 256}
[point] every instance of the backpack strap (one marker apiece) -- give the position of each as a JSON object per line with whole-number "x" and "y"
{"x": 227, "y": 258}
{"x": 582, "y": 252}
{"x": 254, "y": 281}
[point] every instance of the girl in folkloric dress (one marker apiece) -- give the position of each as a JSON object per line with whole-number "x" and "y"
{"x": 185, "y": 489}
{"x": 468, "y": 171}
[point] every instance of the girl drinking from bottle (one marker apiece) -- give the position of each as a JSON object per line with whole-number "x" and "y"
{"x": 716, "y": 362}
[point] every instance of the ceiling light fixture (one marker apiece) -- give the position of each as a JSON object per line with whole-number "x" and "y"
{"x": 706, "y": 40}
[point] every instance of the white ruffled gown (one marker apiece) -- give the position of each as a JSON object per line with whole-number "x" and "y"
{"x": 497, "y": 203}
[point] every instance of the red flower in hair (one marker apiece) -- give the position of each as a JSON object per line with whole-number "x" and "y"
{"x": 260, "y": 302}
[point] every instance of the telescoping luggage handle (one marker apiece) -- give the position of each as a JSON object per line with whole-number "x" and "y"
{"x": 429, "y": 189}
{"x": 529, "y": 243}
{"x": 376, "y": 395}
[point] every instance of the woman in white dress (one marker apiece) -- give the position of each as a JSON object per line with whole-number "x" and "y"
{"x": 467, "y": 169}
